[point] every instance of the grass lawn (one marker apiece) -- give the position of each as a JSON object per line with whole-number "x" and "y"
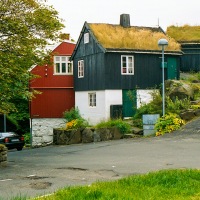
{"x": 161, "y": 185}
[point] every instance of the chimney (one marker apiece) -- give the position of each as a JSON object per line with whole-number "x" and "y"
{"x": 125, "y": 20}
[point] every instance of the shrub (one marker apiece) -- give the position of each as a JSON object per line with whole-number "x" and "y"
{"x": 155, "y": 106}
{"x": 119, "y": 123}
{"x": 27, "y": 138}
{"x": 168, "y": 123}
{"x": 72, "y": 114}
{"x": 76, "y": 123}
{"x": 177, "y": 105}
{"x": 74, "y": 119}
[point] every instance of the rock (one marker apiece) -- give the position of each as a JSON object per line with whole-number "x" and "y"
{"x": 197, "y": 112}
{"x": 137, "y": 131}
{"x": 116, "y": 135}
{"x": 179, "y": 89}
{"x": 105, "y": 134}
{"x": 187, "y": 115}
{"x": 87, "y": 136}
{"x": 96, "y": 136}
{"x": 129, "y": 136}
{"x": 62, "y": 137}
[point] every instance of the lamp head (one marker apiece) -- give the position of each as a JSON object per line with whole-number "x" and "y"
{"x": 162, "y": 43}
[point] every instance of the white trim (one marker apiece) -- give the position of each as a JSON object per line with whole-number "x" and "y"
{"x": 60, "y": 62}
{"x": 81, "y": 69}
{"x": 128, "y": 69}
{"x": 86, "y": 38}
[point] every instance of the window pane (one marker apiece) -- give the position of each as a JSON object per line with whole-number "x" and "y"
{"x": 63, "y": 58}
{"x": 57, "y": 58}
{"x": 57, "y": 67}
{"x": 69, "y": 67}
{"x": 63, "y": 67}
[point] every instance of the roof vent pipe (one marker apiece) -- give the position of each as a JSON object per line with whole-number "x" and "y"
{"x": 125, "y": 20}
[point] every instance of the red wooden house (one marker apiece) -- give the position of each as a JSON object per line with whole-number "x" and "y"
{"x": 55, "y": 82}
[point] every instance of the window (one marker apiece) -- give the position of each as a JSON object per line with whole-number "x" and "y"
{"x": 86, "y": 38}
{"x": 127, "y": 65}
{"x": 92, "y": 99}
{"x": 63, "y": 65}
{"x": 80, "y": 68}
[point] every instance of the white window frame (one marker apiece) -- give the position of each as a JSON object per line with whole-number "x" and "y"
{"x": 86, "y": 38}
{"x": 127, "y": 65}
{"x": 80, "y": 68}
{"x": 63, "y": 61}
{"x": 92, "y": 100}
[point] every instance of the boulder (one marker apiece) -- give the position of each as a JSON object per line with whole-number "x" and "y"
{"x": 87, "y": 136}
{"x": 62, "y": 137}
{"x": 137, "y": 131}
{"x": 116, "y": 134}
{"x": 105, "y": 134}
{"x": 197, "y": 112}
{"x": 179, "y": 89}
{"x": 187, "y": 115}
{"x": 96, "y": 136}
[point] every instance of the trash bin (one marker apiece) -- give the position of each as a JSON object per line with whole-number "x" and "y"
{"x": 149, "y": 121}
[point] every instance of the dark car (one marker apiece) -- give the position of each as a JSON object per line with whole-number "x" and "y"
{"x": 12, "y": 140}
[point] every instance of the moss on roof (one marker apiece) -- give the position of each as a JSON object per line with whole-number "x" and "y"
{"x": 184, "y": 33}
{"x": 141, "y": 38}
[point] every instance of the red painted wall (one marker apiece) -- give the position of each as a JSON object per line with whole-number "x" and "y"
{"x": 57, "y": 90}
{"x": 52, "y": 103}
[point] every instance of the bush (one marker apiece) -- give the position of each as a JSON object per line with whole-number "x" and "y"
{"x": 76, "y": 123}
{"x": 72, "y": 114}
{"x": 177, "y": 105}
{"x": 155, "y": 106}
{"x": 27, "y": 138}
{"x": 168, "y": 123}
{"x": 119, "y": 123}
{"x": 74, "y": 119}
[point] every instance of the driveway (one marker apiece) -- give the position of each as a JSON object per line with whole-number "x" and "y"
{"x": 39, "y": 171}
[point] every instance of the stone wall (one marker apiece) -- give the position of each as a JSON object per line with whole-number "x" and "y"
{"x": 3, "y": 156}
{"x": 87, "y": 135}
{"x": 42, "y": 130}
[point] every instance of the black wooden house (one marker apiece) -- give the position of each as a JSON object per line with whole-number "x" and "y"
{"x": 112, "y": 60}
{"x": 189, "y": 39}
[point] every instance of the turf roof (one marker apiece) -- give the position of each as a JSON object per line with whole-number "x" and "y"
{"x": 184, "y": 33}
{"x": 138, "y": 38}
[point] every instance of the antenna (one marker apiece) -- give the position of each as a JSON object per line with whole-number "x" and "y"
{"x": 158, "y": 23}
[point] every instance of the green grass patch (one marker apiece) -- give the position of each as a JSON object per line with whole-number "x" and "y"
{"x": 119, "y": 123}
{"x": 161, "y": 185}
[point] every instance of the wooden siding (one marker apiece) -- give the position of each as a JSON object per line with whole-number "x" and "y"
{"x": 57, "y": 90}
{"x": 190, "y": 61}
{"x": 52, "y": 103}
{"x": 50, "y": 80}
{"x": 100, "y": 76}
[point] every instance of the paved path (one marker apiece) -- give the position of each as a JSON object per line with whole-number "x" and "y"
{"x": 38, "y": 171}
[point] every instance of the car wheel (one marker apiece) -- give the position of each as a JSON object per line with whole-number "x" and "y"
{"x": 19, "y": 148}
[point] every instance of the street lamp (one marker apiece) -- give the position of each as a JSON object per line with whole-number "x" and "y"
{"x": 163, "y": 43}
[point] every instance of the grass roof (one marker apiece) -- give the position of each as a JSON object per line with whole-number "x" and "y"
{"x": 141, "y": 38}
{"x": 184, "y": 33}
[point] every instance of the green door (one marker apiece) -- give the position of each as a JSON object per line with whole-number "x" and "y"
{"x": 129, "y": 102}
{"x": 171, "y": 68}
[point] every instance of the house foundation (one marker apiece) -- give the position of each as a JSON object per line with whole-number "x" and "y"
{"x": 42, "y": 130}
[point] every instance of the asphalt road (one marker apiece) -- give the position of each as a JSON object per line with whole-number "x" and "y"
{"x": 33, "y": 172}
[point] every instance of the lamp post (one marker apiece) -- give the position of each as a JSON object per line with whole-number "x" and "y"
{"x": 163, "y": 43}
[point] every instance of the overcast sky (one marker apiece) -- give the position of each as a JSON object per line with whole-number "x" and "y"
{"x": 142, "y": 12}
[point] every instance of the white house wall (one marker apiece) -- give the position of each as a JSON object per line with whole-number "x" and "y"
{"x": 101, "y": 112}
{"x": 144, "y": 97}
